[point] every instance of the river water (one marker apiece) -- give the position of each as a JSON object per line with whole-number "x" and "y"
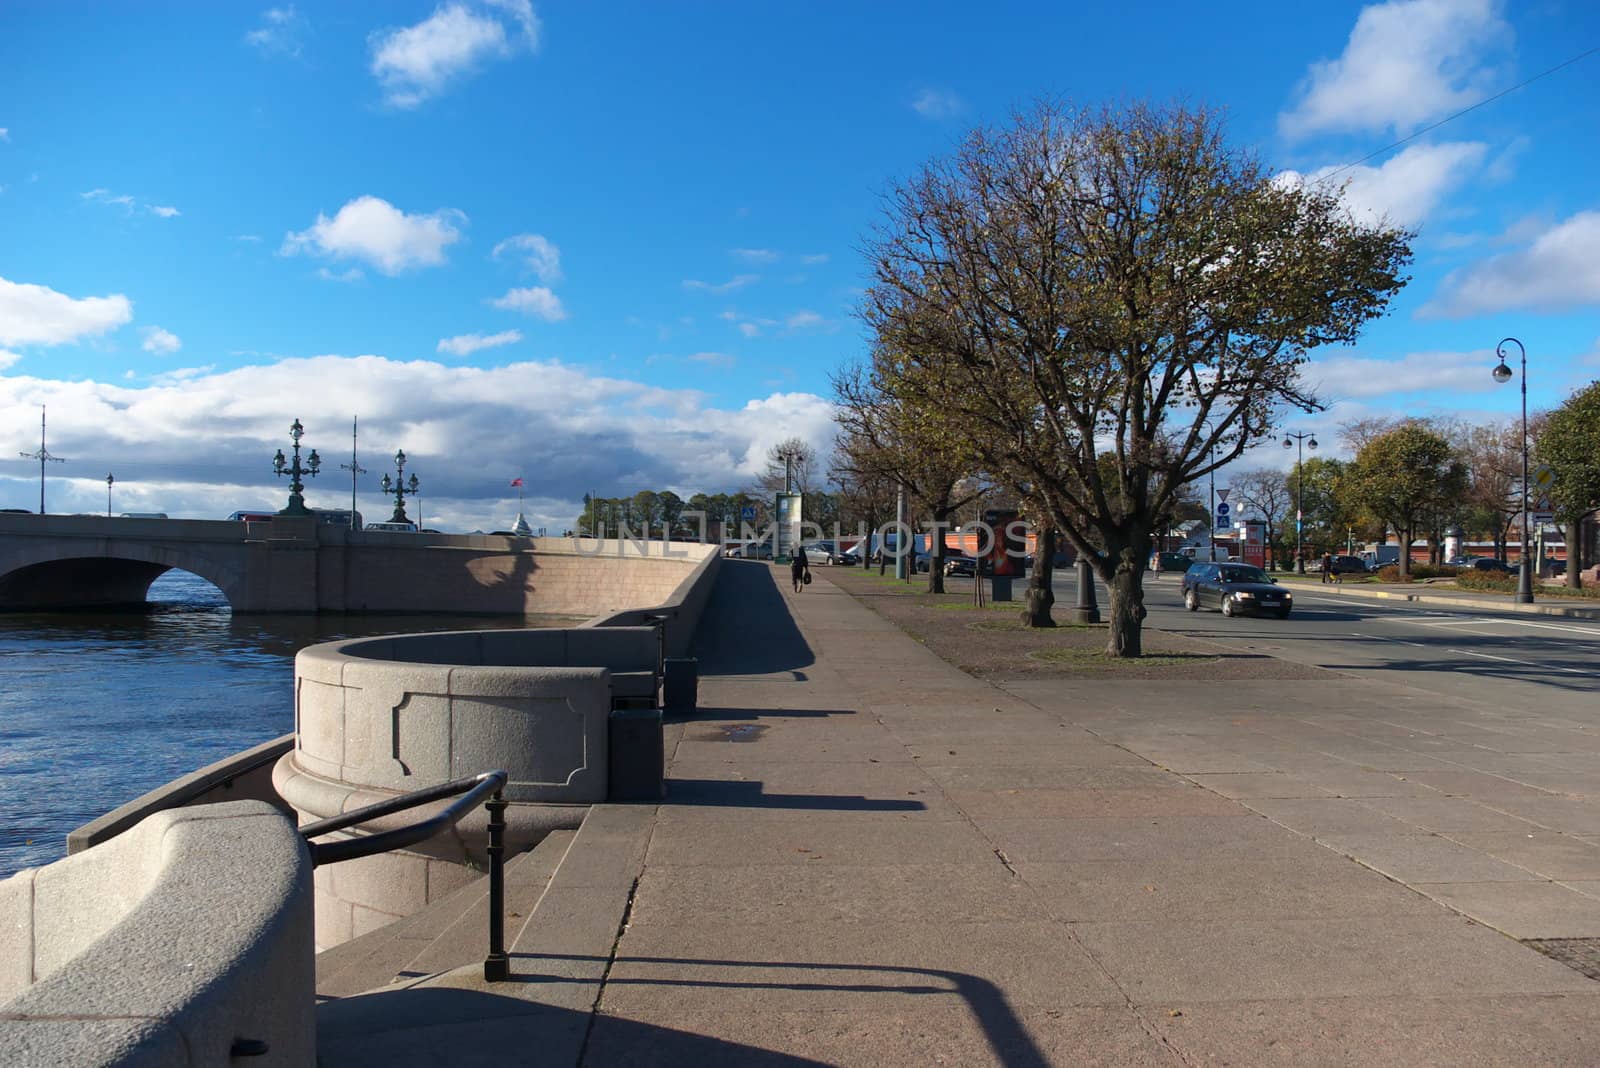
{"x": 97, "y": 708}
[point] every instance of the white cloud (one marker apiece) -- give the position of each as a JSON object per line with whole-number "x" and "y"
{"x": 417, "y": 62}
{"x": 161, "y": 341}
{"x": 937, "y": 104}
{"x": 5, "y": 134}
{"x": 373, "y": 230}
{"x": 105, "y": 196}
{"x": 38, "y": 315}
{"x": 749, "y": 329}
{"x": 251, "y": 238}
{"x": 1407, "y": 62}
{"x": 467, "y": 344}
{"x": 814, "y": 258}
{"x": 164, "y": 211}
{"x": 754, "y": 255}
{"x": 1558, "y": 272}
{"x": 1405, "y": 189}
{"x": 737, "y": 282}
{"x": 589, "y": 431}
{"x": 712, "y": 359}
{"x": 804, "y": 319}
{"x": 8, "y": 358}
{"x": 536, "y": 301}
{"x": 282, "y": 32}
{"x": 538, "y": 254}
{"x": 354, "y": 274}
{"x": 1341, "y": 378}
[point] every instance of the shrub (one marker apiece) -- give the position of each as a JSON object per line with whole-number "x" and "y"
{"x": 1391, "y": 573}
{"x": 1486, "y": 580}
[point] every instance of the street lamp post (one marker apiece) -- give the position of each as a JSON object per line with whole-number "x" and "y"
{"x": 1502, "y": 374}
{"x": 355, "y": 469}
{"x": 399, "y": 487}
{"x": 297, "y": 501}
{"x": 1291, "y": 440}
{"x": 110, "y": 479}
{"x": 44, "y": 457}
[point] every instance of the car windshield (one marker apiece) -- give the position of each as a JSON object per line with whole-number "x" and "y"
{"x": 1244, "y": 574}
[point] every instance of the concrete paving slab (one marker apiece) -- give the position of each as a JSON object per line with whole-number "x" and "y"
{"x": 1028, "y": 841}
{"x": 1327, "y": 816}
{"x": 989, "y": 1034}
{"x": 1354, "y": 782}
{"x": 815, "y": 838}
{"x": 1091, "y": 803}
{"x": 1261, "y": 784}
{"x": 1318, "y": 885}
{"x": 859, "y": 967}
{"x": 1521, "y": 910}
{"x": 1546, "y": 853}
{"x": 1425, "y": 858}
{"x": 788, "y": 895}
{"x": 1565, "y": 814}
{"x": 1209, "y": 961}
{"x": 1451, "y": 814}
{"x": 1390, "y": 1032}
{"x": 1048, "y": 750}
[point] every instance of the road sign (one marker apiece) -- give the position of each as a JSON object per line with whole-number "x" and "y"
{"x": 1222, "y": 514}
{"x": 1222, "y": 495}
{"x": 748, "y": 513}
{"x": 1542, "y": 477}
{"x": 1541, "y": 518}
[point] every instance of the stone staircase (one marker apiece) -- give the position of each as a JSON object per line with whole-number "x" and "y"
{"x": 413, "y": 992}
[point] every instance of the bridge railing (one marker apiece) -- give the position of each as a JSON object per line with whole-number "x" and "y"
{"x": 472, "y": 791}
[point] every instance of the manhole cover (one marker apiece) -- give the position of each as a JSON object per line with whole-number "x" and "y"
{"x": 1579, "y": 954}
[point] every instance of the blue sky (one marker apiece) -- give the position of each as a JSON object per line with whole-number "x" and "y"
{"x": 614, "y": 246}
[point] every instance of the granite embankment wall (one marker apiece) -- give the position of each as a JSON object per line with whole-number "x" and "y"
{"x": 169, "y": 945}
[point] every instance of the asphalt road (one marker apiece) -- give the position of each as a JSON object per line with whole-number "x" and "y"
{"x": 1543, "y": 662}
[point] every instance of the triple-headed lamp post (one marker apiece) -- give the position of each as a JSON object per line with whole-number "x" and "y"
{"x": 1305, "y": 441}
{"x": 399, "y": 487}
{"x": 1502, "y": 374}
{"x": 297, "y": 501}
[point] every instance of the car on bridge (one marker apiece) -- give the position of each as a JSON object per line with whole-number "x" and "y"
{"x": 1236, "y": 589}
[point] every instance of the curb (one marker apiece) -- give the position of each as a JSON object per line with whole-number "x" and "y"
{"x": 1566, "y": 611}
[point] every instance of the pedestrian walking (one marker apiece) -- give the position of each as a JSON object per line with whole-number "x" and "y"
{"x": 800, "y": 569}
{"x": 1327, "y": 567}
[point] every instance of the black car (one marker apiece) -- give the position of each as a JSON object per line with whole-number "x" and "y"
{"x": 1237, "y": 589}
{"x": 1176, "y": 563}
{"x": 960, "y": 565}
{"x": 1488, "y": 563}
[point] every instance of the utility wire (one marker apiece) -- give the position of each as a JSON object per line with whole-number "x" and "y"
{"x": 1463, "y": 111}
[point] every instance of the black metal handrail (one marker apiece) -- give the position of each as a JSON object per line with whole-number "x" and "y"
{"x": 490, "y": 784}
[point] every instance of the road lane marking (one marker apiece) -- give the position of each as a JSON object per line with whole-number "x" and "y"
{"x": 1514, "y": 660}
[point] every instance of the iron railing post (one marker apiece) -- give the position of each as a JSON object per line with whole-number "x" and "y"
{"x": 497, "y": 966}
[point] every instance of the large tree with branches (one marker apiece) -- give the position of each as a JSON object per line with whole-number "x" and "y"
{"x": 1106, "y": 305}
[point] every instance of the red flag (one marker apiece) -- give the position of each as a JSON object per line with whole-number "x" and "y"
{"x": 516, "y": 482}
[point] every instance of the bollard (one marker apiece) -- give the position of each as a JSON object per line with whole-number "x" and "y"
{"x": 680, "y": 686}
{"x": 636, "y": 760}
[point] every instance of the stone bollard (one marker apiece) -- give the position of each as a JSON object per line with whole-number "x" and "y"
{"x": 680, "y": 685}
{"x": 636, "y": 761}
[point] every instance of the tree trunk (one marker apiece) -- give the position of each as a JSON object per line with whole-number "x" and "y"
{"x": 1571, "y": 532}
{"x": 936, "y": 552}
{"x": 1041, "y": 594}
{"x": 1127, "y": 613}
{"x": 1405, "y": 553}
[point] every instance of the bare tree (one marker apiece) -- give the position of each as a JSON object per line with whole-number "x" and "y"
{"x": 1105, "y": 306}
{"x": 1265, "y": 491}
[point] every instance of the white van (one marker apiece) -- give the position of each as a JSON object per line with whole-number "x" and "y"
{"x": 402, "y": 528}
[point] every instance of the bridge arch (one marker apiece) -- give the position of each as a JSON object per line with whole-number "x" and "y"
{"x": 67, "y": 574}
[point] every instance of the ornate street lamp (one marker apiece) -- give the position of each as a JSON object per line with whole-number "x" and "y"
{"x": 44, "y": 457}
{"x": 1304, "y": 441}
{"x": 297, "y": 501}
{"x": 110, "y": 481}
{"x": 399, "y": 487}
{"x": 1502, "y": 374}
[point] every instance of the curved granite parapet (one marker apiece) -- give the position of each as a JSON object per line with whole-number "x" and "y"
{"x": 167, "y": 945}
{"x": 379, "y": 717}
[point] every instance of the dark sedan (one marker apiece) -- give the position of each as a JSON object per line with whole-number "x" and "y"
{"x": 1237, "y": 589}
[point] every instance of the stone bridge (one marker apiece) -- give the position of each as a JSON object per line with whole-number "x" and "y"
{"x": 297, "y": 565}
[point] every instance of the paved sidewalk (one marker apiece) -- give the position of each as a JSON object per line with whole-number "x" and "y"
{"x": 869, "y": 857}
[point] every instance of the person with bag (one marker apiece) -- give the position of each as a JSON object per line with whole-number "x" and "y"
{"x": 800, "y": 569}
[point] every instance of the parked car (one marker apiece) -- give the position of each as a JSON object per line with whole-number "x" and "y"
{"x": 959, "y": 563}
{"x": 1344, "y": 565}
{"x": 1177, "y": 563}
{"x": 1236, "y": 589}
{"x": 819, "y": 552}
{"x": 848, "y": 558}
{"x": 1488, "y": 563}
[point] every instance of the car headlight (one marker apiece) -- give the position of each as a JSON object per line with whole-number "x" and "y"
{"x": 1244, "y": 593}
{"x": 1287, "y": 596}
